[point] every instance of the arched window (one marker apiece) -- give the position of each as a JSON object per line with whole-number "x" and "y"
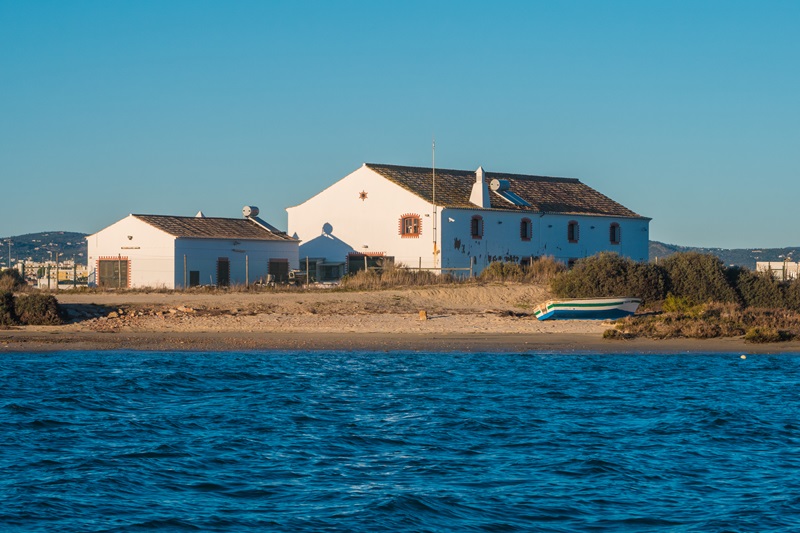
{"x": 614, "y": 233}
{"x": 476, "y": 227}
{"x": 410, "y": 226}
{"x": 525, "y": 229}
{"x": 572, "y": 231}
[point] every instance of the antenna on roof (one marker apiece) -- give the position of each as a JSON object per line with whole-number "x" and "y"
{"x": 433, "y": 177}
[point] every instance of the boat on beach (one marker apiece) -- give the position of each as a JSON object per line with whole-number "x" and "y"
{"x": 587, "y": 308}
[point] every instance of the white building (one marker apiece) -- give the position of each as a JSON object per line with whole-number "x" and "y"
{"x": 459, "y": 219}
{"x": 174, "y": 252}
{"x": 780, "y": 270}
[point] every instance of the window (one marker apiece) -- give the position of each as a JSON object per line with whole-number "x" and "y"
{"x": 410, "y": 226}
{"x": 278, "y": 269}
{"x": 525, "y": 229}
{"x": 476, "y": 227}
{"x": 614, "y": 233}
{"x": 572, "y": 231}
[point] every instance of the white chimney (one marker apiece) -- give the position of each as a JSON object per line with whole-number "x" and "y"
{"x": 480, "y": 190}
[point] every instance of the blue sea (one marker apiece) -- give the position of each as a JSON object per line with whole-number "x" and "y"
{"x": 334, "y": 441}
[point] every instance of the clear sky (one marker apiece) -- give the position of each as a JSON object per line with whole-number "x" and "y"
{"x": 684, "y": 111}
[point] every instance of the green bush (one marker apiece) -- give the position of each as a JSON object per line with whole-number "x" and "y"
{"x": 791, "y": 295}
{"x": 608, "y": 274}
{"x": 756, "y": 289}
{"x": 8, "y": 316}
{"x": 699, "y": 278}
{"x": 761, "y": 334}
{"x": 38, "y": 309}
{"x": 676, "y": 304}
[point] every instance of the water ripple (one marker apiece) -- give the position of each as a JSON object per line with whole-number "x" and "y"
{"x": 285, "y": 441}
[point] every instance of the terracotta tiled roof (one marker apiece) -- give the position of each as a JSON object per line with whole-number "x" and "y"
{"x": 545, "y": 194}
{"x": 212, "y": 228}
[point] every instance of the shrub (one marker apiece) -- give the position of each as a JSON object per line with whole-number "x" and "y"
{"x": 502, "y": 271}
{"x": 760, "y": 334}
{"x": 699, "y": 278}
{"x": 11, "y": 280}
{"x": 8, "y": 316}
{"x": 544, "y": 269}
{"x": 608, "y": 274}
{"x": 756, "y": 289}
{"x": 791, "y": 295}
{"x": 676, "y": 304}
{"x": 38, "y": 309}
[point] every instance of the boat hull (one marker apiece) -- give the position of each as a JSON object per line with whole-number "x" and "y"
{"x": 587, "y": 309}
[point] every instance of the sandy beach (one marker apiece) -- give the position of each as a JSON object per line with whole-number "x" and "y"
{"x": 486, "y": 318}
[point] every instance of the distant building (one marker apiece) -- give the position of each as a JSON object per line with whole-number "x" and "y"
{"x": 780, "y": 270}
{"x": 175, "y": 252}
{"x": 459, "y": 219}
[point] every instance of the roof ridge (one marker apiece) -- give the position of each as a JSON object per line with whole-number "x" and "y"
{"x": 487, "y": 172}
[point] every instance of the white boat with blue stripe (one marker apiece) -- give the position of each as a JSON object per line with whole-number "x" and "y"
{"x": 587, "y": 308}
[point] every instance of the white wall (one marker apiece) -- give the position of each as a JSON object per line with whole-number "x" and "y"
{"x": 502, "y": 240}
{"x": 150, "y": 251}
{"x": 156, "y": 258}
{"x": 248, "y": 259}
{"x": 337, "y": 221}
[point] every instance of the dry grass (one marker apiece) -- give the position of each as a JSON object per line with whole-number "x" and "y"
{"x": 395, "y": 276}
{"x": 713, "y": 320}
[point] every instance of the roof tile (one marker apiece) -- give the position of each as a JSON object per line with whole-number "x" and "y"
{"x": 545, "y": 194}
{"x": 212, "y": 228}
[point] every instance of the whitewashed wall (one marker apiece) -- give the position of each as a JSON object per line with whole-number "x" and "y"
{"x": 248, "y": 259}
{"x": 502, "y": 241}
{"x": 337, "y": 221}
{"x": 150, "y": 251}
{"x": 156, "y": 258}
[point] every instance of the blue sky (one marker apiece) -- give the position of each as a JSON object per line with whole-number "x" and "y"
{"x": 686, "y": 112}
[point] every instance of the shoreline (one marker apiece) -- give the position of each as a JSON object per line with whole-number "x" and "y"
{"x": 199, "y": 341}
{"x": 491, "y": 318}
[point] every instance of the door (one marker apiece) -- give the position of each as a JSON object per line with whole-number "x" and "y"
{"x": 112, "y": 272}
{"x": 223, "y": 272}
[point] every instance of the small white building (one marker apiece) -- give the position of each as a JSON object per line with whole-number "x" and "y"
{"x": 459, "y": 219}
{"x": 175, "y": 252}
{"x": 780, "y": 270}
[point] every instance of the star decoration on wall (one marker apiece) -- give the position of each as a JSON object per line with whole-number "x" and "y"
{"x": 362, "y": 195}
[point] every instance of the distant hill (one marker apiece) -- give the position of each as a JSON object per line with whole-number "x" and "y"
{"x": 69, "y": 244}
{"x": 36, "y": 247}
{"x": 745, "y": 257}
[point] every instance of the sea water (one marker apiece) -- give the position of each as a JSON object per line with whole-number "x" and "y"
{"x": 317, "y": 441}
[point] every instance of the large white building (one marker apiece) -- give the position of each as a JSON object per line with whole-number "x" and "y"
{"x": 175, "y": 252}
{"x": 459, "y": 219}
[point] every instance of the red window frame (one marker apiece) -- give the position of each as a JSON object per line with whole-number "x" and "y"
{"x": 412, "y": 222}
{"x": 476, "y": 227}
